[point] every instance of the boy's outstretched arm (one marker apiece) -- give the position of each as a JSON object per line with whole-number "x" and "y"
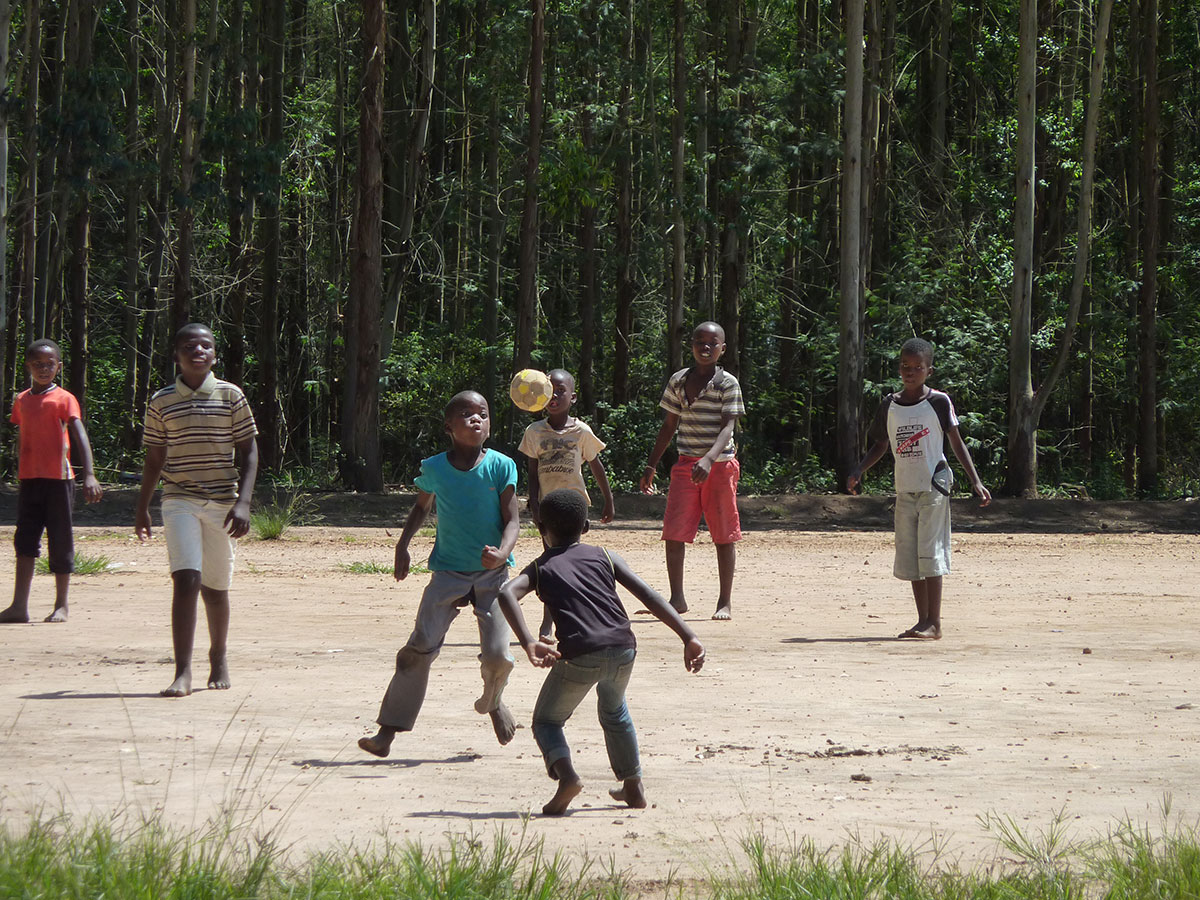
{"x": 237, "y": 522}
{"x": 510, "y": 515}
{"x": 539, "y": 653}
{"x": 91, "y": 487}
{"x": 670, "y": 423}
{"x": 156, "y": 458}
{"x": 693, "y": 650}
{"x": 601, "y": 476}
{"x": 964, "y": 458}
{"x": 874, "y": 455}
{"x": 416, "y": 518}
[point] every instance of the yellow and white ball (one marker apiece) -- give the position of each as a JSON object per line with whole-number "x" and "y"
{"x": 531, "y": 390}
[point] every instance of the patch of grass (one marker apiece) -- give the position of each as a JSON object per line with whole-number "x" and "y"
{"x": 272, "y": 521}
{"x": 369, "y": 567}
{"x": 85, "y": 564}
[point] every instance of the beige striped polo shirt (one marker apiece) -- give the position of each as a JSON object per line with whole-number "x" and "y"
{"x": 201, "y": 429}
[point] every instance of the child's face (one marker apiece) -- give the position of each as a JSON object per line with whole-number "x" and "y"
{"x": 707, "y": 345}
{"x": 43, "y": 366}
{"x": 914, "y": 369}
{"x": 469, "y": 423}
{"x": 564, "y": 394}
{"x": 196, "y": 353}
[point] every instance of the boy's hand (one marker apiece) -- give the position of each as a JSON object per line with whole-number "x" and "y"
{"x": 92, "y": 491}
{"x": 491, "y": 558}
{"x": 402, "y": 564}
{"x": 693, "y": 655}
{"x": 985, "y": 496}
{"x": 542, "y": 654}
{"x": 646, "y": 482}
{"x": 700, "y": 470}
{"x": 141, "y": 524}
{"x": 237, "y": 520}
{"x": 609, "y": 511}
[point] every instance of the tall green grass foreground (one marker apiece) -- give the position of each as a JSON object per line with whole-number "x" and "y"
{"x": 56, "y": 858}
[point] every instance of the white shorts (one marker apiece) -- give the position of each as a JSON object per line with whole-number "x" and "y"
{"x": 198, "y": 538}
{"x": 922, "y": 535}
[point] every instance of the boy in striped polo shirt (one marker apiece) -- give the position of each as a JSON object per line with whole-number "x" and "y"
{"x": 199, "y": 438}
{"x": 702, "y": 402}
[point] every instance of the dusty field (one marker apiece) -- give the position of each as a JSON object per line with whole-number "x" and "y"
{"x": 1066, "y": 684}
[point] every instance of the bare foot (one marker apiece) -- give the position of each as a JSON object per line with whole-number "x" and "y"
{"x": 218, "y": 675}
{"x": 567, "y": 791}
{"x": 12, "y": 616}
{"x": 379, "y": 744}
{"x": 679, "y": 605}
{"x": 180, "y": 687}
{"x": 928, "y": 633}
{"x": 630, "y": 793}
{"x": 59, "y": 615}
{"x": 504, "y": 725}
{"x": 724, "y": 612}
{"x": 909, "y": 633}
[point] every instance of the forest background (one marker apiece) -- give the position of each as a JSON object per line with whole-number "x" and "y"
{"x": 378, "y": 205}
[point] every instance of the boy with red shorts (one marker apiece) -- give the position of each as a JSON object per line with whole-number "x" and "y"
{"x": 703, "y": 402}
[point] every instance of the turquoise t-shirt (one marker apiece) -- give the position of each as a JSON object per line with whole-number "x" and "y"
{"x": 468, "y": 508}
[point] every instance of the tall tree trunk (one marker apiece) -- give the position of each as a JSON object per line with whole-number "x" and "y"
{"x": 623, "y": 315}
{"x": 1022, "y": 436}
{"x": 676, "y": 329}
{"x": 133, "y": 203}
{"x": 527, "y": 251}
{"x": 361, "y": 424}
{"x": 5, "y": 360}
{"x": 181, "y": 300}
{"x": 158, "y": 216}
{"x": 243, "y": 97}
{"x": 268, "y": 412}
{"x": 29, "y": 222}
{"x": 587, "y": 226}
{"x": 1151, "y": 185}
{"x": 850, "y": 358}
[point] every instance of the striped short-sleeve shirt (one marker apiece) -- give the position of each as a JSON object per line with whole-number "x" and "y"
{"x": 201, "y": 429}
{"x": 700, "y": 420}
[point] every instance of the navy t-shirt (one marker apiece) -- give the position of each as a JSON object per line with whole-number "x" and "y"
{"x": 579, "y": 587}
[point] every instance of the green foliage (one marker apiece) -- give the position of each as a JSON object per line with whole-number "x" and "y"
{"x": 271, "y": 521}
{"x": 85, "y": 564}
{"x": 368, "y": 567}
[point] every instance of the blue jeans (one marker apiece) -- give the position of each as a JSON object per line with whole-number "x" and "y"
{"x": 564, "y": 689}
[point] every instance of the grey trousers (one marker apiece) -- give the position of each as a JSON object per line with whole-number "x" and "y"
{"x": 444, "y": 596}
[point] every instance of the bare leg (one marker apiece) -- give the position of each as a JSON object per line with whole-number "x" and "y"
{"x": 630, "y": 793}
{"x": 546, "y": 629}
{"x": 676, "y": 550}
{"x": 183, "y": 629}
{"x": 927, "y": 594}
{"x": 62, "y": 583}
{"x": 726, "y": 563}
{"x": 18, "y": 611}
{"x": 216, "y": 610}
{"x": 380, "y": 743}
{"x": 569, "y": 787}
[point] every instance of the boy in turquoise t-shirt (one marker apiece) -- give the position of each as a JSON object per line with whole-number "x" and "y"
{"x": 477, "y": 523}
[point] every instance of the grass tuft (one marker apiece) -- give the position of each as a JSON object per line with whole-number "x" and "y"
{"x": 85, "y": 564}
{"x": 369, "y": 567}
{"x": 272, "y": 521}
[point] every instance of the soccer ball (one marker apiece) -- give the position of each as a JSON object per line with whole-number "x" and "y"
{"x": 530, "y": 390}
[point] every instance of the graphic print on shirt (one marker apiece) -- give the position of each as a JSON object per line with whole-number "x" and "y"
{"x": 557, "y": 455}
{"x": 908, "y": 438}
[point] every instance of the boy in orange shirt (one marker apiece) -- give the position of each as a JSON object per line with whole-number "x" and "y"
{"x": 48, "y": 416}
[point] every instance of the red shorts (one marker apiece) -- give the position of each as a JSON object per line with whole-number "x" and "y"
{"x": 715, "y": 497}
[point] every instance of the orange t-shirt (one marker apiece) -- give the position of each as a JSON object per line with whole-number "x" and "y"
{"x": 45, "y": 445}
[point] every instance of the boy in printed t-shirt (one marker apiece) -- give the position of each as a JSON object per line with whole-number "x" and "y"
{"x": 557, "y": 446}
{"x": 199, "y": 439}
{"x": 48, "y": 417}
{"x": 704, "y": 403}
{"x": 915, "y": 422}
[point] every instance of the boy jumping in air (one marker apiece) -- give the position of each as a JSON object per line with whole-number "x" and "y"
{"x": 477, "y": 525}
{"x": 703, "y": 403}
{"x": 48, "y": 417}
{"x": 596, "y": 646}
{"x": 915, "y": 422}
{"x": 199, "y": 439}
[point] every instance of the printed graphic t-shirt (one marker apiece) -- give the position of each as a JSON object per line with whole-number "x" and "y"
{"x": 560, "y": 455}
{"x": 917, "y": 435}
{"x": 468, "y": 508}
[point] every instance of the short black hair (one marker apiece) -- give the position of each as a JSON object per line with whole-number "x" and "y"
{"x": 564, "y": 512}
{"x": 918, "y": 347}
{"x": 459, "y": 399}
{"x": 44, "y": 344}
{"x": 186, "y": 329}
{"x": 712, "y": 326}
{"x": 562, "y": 373}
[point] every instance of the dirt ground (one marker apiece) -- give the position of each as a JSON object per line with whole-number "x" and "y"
{"x": 1065, "y": 686}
